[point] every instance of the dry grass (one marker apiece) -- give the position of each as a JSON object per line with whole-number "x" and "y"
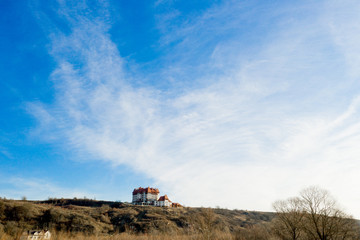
{"x": 127, "y": 236}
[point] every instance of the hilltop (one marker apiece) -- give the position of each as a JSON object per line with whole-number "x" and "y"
{"x": 94, "y": 218}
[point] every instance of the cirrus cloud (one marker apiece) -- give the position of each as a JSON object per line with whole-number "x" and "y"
{"x": 261, "y": 126}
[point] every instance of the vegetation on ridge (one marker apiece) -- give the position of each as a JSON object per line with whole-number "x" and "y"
{"x": 311, "y": 216}
{"x": 102, "y": 218}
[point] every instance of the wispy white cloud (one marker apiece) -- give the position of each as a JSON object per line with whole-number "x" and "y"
{"x": 36, "y": 189}
{"x": 342, "y": 19}
{"x": 5, "y": 153}
{"x": 255, "y": 130}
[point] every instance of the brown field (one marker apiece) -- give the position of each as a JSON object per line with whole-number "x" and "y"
{"x": 126, "y": 236}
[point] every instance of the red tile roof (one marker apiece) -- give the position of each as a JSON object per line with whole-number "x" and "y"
{"x": 146, "y": 190}
{"x": 176, "y": 205}
{"x": 163, "y": 198}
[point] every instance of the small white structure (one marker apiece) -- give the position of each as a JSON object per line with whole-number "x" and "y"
{"x": 36, "y": 235}
{"x": 164, "y": 201}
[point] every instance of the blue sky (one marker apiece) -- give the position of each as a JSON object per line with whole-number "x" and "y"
{"x": 217, "y": 103}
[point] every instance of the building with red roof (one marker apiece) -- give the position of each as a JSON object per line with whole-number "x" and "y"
{"x": 164, "y": 201}
{"x": 145, "y": 196}
{"x": 150, "y": 196}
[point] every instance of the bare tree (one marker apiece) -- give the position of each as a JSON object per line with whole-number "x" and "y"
{"x": 324, "y": 220}
{"x": 313, "y": 215}
{"x": 206, "y": 222}
{"x": 289, "y": 219}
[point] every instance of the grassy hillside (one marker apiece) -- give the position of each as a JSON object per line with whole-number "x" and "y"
{"x": 103, "y": 218}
